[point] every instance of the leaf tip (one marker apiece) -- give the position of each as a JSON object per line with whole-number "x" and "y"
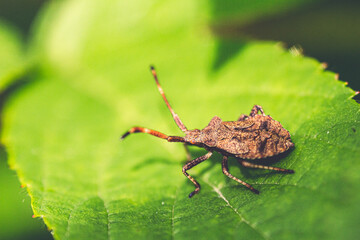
{"x": 324, "y": 65}
{"x": 296, "y": 50}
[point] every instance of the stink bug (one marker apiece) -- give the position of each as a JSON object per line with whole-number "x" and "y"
{"x": 251, "y": 137}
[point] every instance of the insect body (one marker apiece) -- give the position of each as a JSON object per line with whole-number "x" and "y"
{"x": 255, "y": 136}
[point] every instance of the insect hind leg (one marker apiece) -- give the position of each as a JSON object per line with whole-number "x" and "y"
{"x": 226, "y": 172}
{"x": 255, "y": 110}
{"x": 251, "y": 165}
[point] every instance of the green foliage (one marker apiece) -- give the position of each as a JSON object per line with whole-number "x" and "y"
{"x": 16, "y": 221}
{"x": 12, "y": 60}
{"x": 241, "y": 12}
{"x": 62, "y": 130}
{"x": 14, "y": 203}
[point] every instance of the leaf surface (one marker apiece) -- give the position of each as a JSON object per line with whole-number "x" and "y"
{"x": 62, "y": 131}
{"x": 235, "y": 12}
{"x": 14, "y": 202}
{"x": 12, "y": 60}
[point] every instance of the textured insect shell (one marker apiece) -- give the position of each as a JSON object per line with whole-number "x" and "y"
{"x": 253, "y": 138}
{"x": 206, "y": 136}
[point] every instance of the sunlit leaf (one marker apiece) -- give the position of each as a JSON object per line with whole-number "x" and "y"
{"x": 62, "y": 131}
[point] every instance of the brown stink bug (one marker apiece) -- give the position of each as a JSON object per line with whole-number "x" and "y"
{"x": 251, "y": 137}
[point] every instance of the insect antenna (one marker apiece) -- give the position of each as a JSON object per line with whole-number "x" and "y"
{"x": 175, "y": 116}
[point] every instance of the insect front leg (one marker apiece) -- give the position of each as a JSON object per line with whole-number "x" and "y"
{"x": 190, "y": 165}
{"x": 255, "y": 110}
{"x": 226, "y": 172}
{"x": 251, "y": 165}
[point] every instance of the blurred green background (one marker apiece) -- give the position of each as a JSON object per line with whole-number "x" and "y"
{"x": 327, "y": 30}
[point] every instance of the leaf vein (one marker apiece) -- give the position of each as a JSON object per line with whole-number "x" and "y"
{"x": 242, "y": 219}
{"x": 67, "y": 233}
{"x": 173, "y": 215}
{"x": 107, "y": 217}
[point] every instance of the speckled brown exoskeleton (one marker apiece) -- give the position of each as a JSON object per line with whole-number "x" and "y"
{"x": 251, "y": 137}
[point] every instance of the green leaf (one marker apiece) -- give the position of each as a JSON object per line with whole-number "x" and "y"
{"x": 242, "y": 12}
{"x": 12, "y": 57}
{"x": 62, "y": 131}
{"x": 16, "y": 221}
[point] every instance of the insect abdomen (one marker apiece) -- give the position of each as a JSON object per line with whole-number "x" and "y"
{"x": 264, "y": 138}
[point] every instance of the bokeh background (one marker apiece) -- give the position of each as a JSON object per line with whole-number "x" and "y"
{"x": 327, "y": 30}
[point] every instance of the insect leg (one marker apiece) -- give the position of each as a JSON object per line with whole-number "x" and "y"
{"x": 154, "y": 133}
{"x": 251, "y": 165}
{"x": 175, "y": 116}
{"x": 190, "y": 165}
{"x": 226, "y": 172}
{"x": 255, "y": 110}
